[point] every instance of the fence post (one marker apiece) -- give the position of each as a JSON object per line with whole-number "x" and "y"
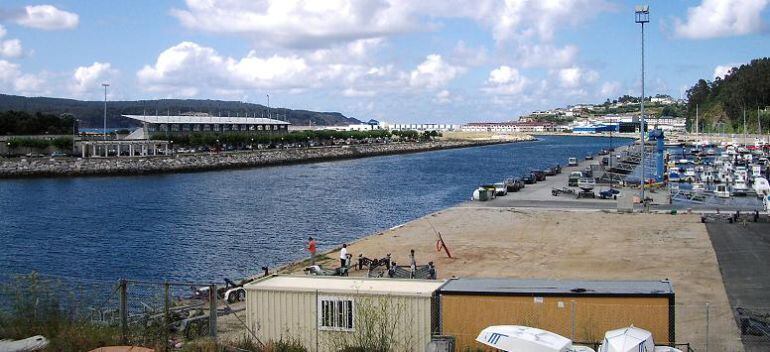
{"x": 166, "y": 317}
{"x": 213, "y": 311}
{"x": 707, "y": 327}
{"x": 124, "y": 311}
{"x": 572, "y": 319}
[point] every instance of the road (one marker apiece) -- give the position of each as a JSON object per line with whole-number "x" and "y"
{"x": 743, "y": 252}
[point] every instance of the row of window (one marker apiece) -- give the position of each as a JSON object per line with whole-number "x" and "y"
{"x": 189, "y": 127}
{"x": 336, "y": 314}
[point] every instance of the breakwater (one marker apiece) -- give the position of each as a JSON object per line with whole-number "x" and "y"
{"x": 62, "y": 167}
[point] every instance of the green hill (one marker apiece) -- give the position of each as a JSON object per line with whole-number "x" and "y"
{"x": 721, "y": 102}
{"x": 90, "y": 113}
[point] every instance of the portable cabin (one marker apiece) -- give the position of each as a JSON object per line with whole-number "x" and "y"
{"x": 322, "y": 313}
{"x": 580, "y": 310}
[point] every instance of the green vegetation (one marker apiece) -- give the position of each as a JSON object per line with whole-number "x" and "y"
{"x": 61, "y": 143}
{"x": 36, "y": 306}
{"x": 721, "y": 102}
{"x": 22, "y": 123}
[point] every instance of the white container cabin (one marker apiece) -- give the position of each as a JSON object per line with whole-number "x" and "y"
{"x": 321, "y": 312}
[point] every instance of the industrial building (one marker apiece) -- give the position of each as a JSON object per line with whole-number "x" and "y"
{"x": 322, "y": 312}
{"x": 203, "y": 123}
{"x": 510, "y": 127}
{"x": 580, "y": 310}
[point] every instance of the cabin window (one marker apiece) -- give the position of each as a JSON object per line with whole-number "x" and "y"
{"x": 336, "y": 313}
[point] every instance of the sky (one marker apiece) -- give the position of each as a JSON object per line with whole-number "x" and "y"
{"x": 408, "y": 61}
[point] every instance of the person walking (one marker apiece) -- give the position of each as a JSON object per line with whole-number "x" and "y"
{"x": 311, "y": 247}
{"x": 343, "y": 255}
{"x": 413, "y": 262}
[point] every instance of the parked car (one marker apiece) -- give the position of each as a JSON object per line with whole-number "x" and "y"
{"x": 539, "y": 175}
{"x": 57, "y": 154}
{"x": 529, "y": 179}
{"x": 574, "y": 177}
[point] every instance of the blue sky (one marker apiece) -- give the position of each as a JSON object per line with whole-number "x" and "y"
{"x": 393, "y": 60}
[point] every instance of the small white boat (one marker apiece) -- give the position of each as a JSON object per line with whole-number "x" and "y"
{"x": 698, "y": 187}
{"x": 34, "y": 343}
{"x": 631, "y": 339}
{"x": 761, "y": 186}
{"x": 516, "y": 338}
{"x": 721, "y": 191}
{"x": 586, "y": 184}
{"x": 740, "y": 188}
{"x": 501, "y": 189}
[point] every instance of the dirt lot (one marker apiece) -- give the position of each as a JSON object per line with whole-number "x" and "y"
{"x": 587, "y": 244}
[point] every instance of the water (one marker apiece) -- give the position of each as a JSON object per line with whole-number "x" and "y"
{"x": 205, "y": 226}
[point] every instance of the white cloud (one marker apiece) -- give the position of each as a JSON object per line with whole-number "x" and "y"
{"x": 721, "y": 18}
{"x": 722, "y": 70}
{"x": 610, "y": 90}
{"x": 47, "y": 17}
{"x": 545, "y": 55}
{"x": 434, "y": 72}
{"x": 443, "y": 97}
{"x": 355, "y": 93}
{"x": 3, "y": 32}
{"x": 12, "y": 80}
{"x": 89, "y": 78}
{"x": 506, "y": 80}
{"x": 575, "y": 77}
{"x": 297, "y": 23}
{"x": 11, "y": 48}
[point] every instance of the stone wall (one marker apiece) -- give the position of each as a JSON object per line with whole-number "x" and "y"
{"x": 54, "y": 167}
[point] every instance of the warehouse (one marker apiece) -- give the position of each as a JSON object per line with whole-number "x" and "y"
{"x": 203, "y": 123}
{"x": 580, "y": 310}
{"x": 324, "y": 313}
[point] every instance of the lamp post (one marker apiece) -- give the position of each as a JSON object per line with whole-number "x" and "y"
{"x": 105, "y": 85}
{"x": 642, "y": 16}
{"x": 8, "y": 149}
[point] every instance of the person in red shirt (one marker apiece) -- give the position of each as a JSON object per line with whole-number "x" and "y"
{"x": 311, "y": 249}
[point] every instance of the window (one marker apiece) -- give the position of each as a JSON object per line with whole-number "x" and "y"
{"x": 336, "y": 313}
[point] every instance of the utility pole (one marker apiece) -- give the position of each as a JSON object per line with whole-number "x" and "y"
{"x": 642, "y": 16}
{"x": 105, "y": 85}
{"x": 696, "y": 119}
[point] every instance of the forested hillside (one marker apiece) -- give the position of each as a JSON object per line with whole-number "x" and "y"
{"x": 90, "y": 113}
{"x": 721, "y": 102}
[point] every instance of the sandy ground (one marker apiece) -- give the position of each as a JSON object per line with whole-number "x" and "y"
{"x": 576, "y": 244}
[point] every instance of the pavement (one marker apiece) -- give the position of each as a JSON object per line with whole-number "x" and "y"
{"x": 743, "y": 252}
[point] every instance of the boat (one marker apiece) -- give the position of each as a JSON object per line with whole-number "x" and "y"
{"x": 500, "y": 189}
{"x": 572, "y": 161}
{"x": 721, "y": 191}
{"x": 586, "y": 184}
{"x": 517, "y": 338}
{"x": 631, "y": 339}
{"x": 34, "y": 343}
{"x": 698, "y": 187}
{"x": 740, "y": 188}
{"x": 761, "y": 187}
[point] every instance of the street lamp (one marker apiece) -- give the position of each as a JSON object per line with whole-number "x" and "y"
{"x": 105, "y": 85}
{"x": 8, "y": 149}
{"x": 642, "y": 16}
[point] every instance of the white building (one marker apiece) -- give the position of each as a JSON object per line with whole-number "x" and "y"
{"x": 420, "y": 127}
{"x": 509, "y": 127}
{"x": 320, "y": 312}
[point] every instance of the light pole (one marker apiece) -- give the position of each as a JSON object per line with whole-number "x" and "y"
{"x": 642, "y": 16}
{"x": 105, "y": 85}
{"x": 268, "y": 106}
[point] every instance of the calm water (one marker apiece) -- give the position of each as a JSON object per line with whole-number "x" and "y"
{"x": 205, "y": 226}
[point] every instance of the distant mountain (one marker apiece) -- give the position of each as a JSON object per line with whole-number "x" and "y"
{"x": 90, "y": 113}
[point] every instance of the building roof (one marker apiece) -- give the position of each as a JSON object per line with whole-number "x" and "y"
{"x": 207, "y": 119}
{"x": 348, "y": 285}
{"x": 530, "y": 287}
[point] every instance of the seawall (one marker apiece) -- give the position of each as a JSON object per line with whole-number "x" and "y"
{"x": 66, "y": 167}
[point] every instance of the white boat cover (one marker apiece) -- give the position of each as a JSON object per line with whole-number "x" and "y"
{"x": 630, "y": 339}
{"x": 34, "y": 343}
{"x": 523, "y": 339}
{"x": 666, "y": 349}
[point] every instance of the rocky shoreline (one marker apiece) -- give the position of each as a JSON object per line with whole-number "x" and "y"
{"x": 124, "y": 166}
